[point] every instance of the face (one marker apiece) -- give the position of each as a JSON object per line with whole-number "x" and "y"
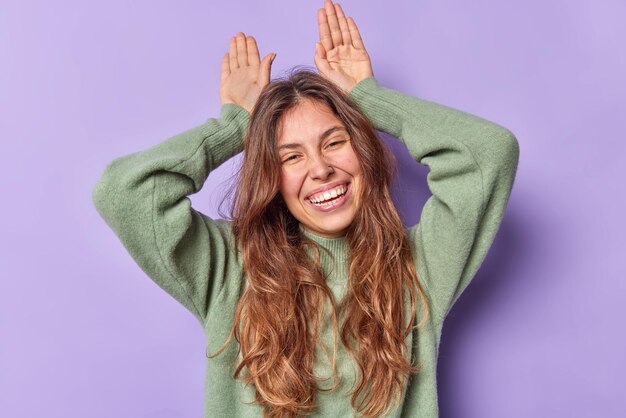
{"x": 320, "y": 176}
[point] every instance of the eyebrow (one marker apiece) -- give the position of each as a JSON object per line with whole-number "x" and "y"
{"x": 323, "y": 136}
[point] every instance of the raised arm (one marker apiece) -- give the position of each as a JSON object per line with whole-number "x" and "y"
{"x": 143, "y": 196}
{"x": 472, "y": 162}
{"x": 472, "y": 166}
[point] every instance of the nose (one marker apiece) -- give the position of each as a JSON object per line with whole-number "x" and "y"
{"x": 319, "y": 168}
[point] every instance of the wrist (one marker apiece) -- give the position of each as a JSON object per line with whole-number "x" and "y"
{"x": 234, "y": 105}
{"x": 360, "y": 84}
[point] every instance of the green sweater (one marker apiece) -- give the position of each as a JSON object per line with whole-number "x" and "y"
{"x": 143, "y": 197}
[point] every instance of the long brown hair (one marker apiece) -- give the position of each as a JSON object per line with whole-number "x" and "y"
{"x": 278, "y": 317}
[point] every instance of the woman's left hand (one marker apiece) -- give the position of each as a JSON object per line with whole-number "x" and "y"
{"x": 341, "y": 56}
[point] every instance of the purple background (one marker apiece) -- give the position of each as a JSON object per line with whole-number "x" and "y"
{"x": 85, "y": 333}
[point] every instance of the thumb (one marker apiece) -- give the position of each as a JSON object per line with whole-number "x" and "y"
{"x": 320, "y": 59}
{"x": 266, "y": 68}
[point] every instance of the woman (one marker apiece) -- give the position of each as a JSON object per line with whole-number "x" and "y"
{"x": 315, "y": 254}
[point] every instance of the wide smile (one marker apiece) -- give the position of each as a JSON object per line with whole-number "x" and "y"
{"x": 331, "y": 204}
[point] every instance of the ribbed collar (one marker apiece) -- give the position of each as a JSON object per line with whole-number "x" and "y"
{"x": 335, "y": 267}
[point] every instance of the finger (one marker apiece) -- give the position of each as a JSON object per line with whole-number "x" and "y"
{"x": 335, "y": 32}
{"x": 242, "y": 53}
{"x": 253, "y": 51}
{"x": 225, "y": 67}
{"x": 357, "y": 42}
{"x": 343, "y": 25}
{"x": 232, "y": 51}
{"x": 324, "y": 29}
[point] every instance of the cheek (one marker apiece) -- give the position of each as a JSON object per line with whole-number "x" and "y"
{"x": 348, "y": 162}
{"x": 290, "y": 184}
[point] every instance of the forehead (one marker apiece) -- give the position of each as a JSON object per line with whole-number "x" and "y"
{"x": 306, "y": 121}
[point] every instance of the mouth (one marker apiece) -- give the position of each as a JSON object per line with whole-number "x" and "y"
{"x": 330, "y": 200}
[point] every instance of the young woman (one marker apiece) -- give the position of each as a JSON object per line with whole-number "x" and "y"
{"x": 315, "y": 276}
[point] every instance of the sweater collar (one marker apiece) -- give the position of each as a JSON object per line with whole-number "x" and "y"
{"x": 335, "y": 263}
{"x": 336, "y": 246}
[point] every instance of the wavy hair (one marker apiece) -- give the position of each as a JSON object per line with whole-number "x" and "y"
{"x": 277, "y": 321}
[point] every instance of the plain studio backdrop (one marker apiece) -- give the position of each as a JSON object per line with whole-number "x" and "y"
{"x": 85, "y": 333}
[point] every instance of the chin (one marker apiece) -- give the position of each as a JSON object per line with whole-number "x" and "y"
{"x": 335, "y": 229}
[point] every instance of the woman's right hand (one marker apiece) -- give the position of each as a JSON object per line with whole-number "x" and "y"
{"x": 243, "y": 73}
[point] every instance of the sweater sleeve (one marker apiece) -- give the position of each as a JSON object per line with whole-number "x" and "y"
{"x": 472, "y": 165}
{"x": 143, "y": 197}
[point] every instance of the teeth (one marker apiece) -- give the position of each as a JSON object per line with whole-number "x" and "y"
{"x": 318, "y": 199}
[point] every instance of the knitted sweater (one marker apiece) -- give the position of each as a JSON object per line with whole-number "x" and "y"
{"x": 143, "y": 197}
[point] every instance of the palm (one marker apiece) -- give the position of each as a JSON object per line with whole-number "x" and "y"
{"x": 341, "y": 56}
{"x": 348, "y": 62}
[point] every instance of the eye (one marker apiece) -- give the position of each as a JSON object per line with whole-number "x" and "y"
{"x": 335, "y": 143}
{"x": 290, "y": 158}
